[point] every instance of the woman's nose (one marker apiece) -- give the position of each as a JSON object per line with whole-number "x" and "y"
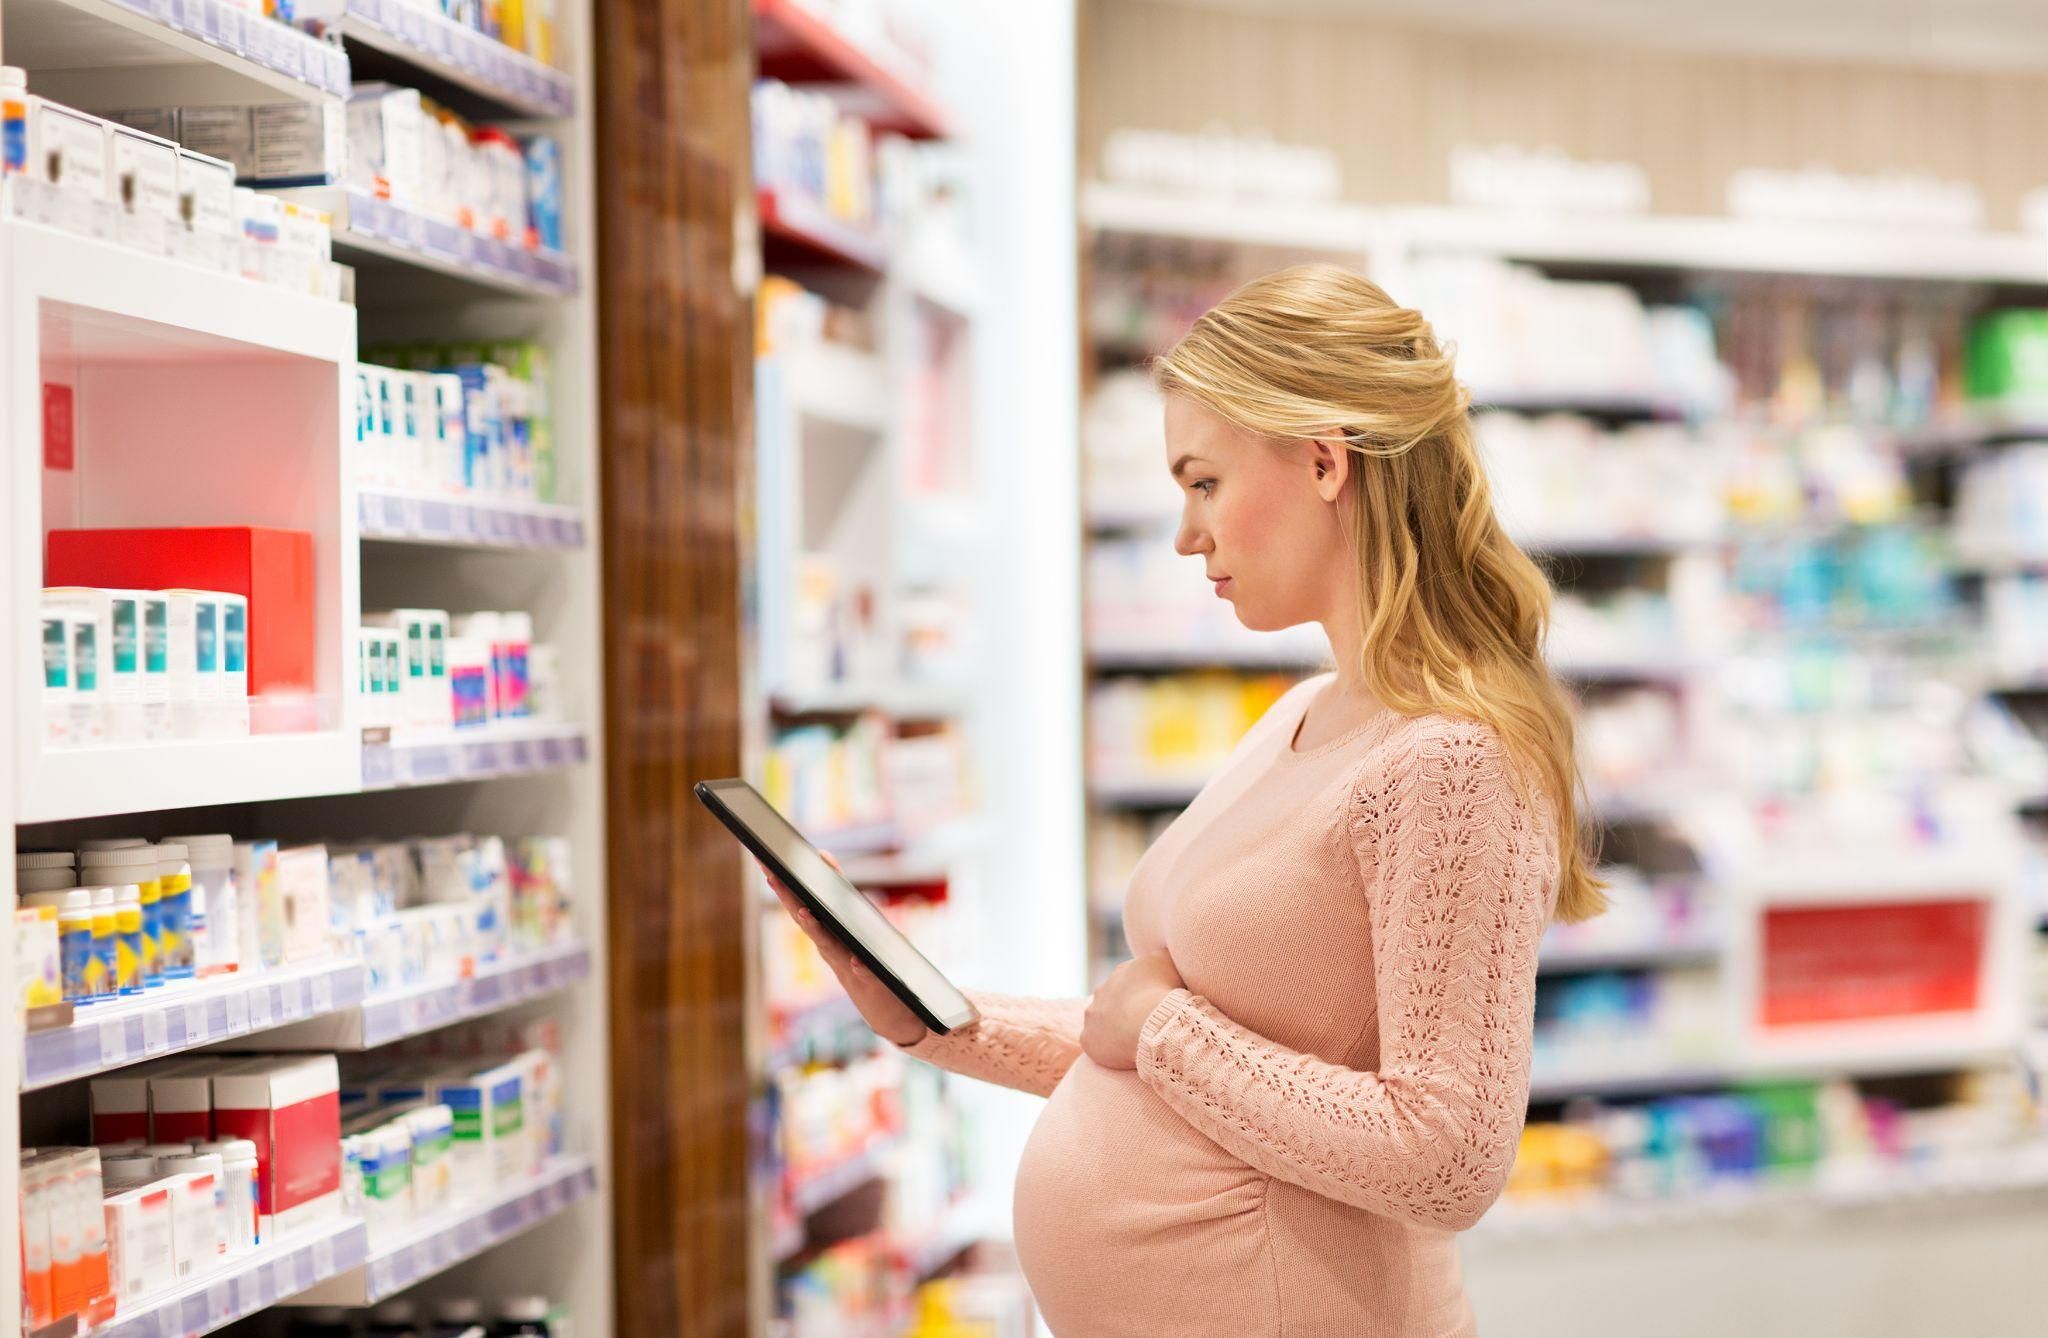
{"x": 1188, "y": 541}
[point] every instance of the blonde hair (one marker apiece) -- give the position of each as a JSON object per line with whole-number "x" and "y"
{"x": 1454, "y": 613}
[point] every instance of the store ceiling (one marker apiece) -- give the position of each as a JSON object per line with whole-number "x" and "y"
{"x": 1984, "y": 34}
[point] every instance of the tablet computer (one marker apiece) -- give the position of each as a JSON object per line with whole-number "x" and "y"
{"x": 838, "y": 904}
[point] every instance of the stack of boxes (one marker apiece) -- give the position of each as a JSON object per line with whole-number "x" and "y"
{"x": 462, "y": 419}
{"x": 131, "y": 181}
{"x": 421, "y": 669}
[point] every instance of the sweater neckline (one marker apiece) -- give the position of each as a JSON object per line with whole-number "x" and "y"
{"x": 1288, "y": 752}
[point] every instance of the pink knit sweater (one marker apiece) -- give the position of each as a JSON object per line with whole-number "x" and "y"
{"x": 1342, "y": 1085}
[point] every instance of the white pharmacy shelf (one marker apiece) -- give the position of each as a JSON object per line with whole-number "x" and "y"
{"x": 1558, "y": 1081}
{"x": 1716, "y": 244}
{"x": 417, "y": 518}
{"x": 1144, "y": 791}
{"x": 426, "y": 39}
{"x": 157, "y": 51}
{"x": 1110, "y": 657}
{"x": 840, "y": 387}
{"x": 1644, "y": 669}
{"x": 394, "y": 1015}
{"x": 1647, "y": 954}
{"x": 2022, "y": 1170}
{"x": 1282, "y": 225}
{"x": 1704, "y": 243}
{"x": 485, "y": 752}
{"x": 184, "y": 1016}
{"x": 1611, "y": 544}
{"x": 841, "y": 1178}
{"x": 92, "y": 781}
{"x": 253, "y": 1283}
{"x": 459, "y": 1233}
{"x": 904, "y": 700}
{"x": 366, "y": 227}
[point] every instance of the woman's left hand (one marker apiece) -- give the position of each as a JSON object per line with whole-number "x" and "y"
{"x": 1117, "y": 1011}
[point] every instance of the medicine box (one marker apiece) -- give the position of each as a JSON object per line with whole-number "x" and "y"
{"x": 141, "y": 1255}
{"x": 302, "y": 890}
{"x": 290, "y": 1109}
{"x": 181, "y": 1103}
{"x": 271, "y": 569}
{"x": 120, "y": 1108}
{"x": 145, "y": 171}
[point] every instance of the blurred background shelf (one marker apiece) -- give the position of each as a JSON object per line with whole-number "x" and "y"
{"x": 427, "y": 48}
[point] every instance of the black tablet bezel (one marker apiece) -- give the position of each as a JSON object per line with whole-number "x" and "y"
{"x": 708, "y": 792}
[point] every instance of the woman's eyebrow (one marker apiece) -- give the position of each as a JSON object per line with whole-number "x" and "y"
{"x": 1183, "y": 463}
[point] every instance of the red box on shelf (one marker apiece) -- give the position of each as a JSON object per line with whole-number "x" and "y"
{"x": 272, "y": 569}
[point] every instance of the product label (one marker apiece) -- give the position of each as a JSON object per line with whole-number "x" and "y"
{"x": 56, "y": 663}
{"x": 74, "y": 943}
{"x": 206, "y": 637}
{"x": 152, "y": 931}
{"x": 58, "y": 453}
{"x": 13, "y": 137}
{"x": 74, "y": 152}
{"x": 124, "y": 636}
{"x": 235, "y": 639}
{"x": 146, "y": 175}
{"x": 85, "y": 655}
{"x": 392, "y": 676}
{"x": 437, "y": 652}
{"x": 415, "y": 651}
{"x": 412, "y": 411}
{"x": 156, "y": 637}
{"x": 128, "y": 953}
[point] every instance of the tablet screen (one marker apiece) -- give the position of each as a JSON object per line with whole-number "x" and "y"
{"x": 842, "y": 904}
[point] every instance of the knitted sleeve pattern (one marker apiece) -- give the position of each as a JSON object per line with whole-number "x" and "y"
{"x": 1460, "y": 873}
{"x": 1028, "y": 1044}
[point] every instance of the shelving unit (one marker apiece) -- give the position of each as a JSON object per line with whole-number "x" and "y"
{"x": 256, "y": 1282}
{"x": 160, "y": 49}
{"x": 432, "y": 1247}
{"x": 872, "y": 486}
{"x": 372, "y": 233}
{"x": 1681, "y": 805}
{"x": 203, "y": 398}
{"x": 108, "y": 1036}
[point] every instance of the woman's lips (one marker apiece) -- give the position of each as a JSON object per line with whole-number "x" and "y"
{"x": 1219, "y": 582}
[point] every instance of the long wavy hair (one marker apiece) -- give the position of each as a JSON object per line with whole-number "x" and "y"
{"x": 1454, "y": 614}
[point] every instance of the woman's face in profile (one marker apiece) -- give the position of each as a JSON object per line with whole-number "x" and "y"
{"x": 1258, "y": 515}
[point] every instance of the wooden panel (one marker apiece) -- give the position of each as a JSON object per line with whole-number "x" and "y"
{"x": 1392, "y": 98}
{"x": 676, "y": 374}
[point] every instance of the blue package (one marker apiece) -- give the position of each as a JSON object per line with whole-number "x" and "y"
{"x": 544, "y": 190}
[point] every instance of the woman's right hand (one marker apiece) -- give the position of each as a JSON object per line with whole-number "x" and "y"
{"x": 888, "y": 1015}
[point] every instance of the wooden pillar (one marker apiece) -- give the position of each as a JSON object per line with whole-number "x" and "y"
{"x": 675, "y": 342}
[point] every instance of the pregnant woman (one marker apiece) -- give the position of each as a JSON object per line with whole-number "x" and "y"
{"x": 1314, "y": 1072}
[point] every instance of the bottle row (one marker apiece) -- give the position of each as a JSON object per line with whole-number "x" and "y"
{"x": 428, "y": 669}
{"x": 831, "y": 778}
{"x": 201, "y": 1160}
{"x": 388, "y": 143}
{"x": 125, "y": 666}
{"x": 100, "y": 178}
{"x": 124, "y": 916}
{"x": 1771, "y": 1134}
{"x": 460, "y": 419}
{"x": 529, "y": 26}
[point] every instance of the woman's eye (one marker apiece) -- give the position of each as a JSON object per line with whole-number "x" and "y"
{"x": 1206, "y": 487}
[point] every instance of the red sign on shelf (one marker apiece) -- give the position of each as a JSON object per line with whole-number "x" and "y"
{"x": 1858, "y": 963}
{"x": 57, "y": 452}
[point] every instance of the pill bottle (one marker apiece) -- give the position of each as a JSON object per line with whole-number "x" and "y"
{"x": 174, "y": 911}
{"x": 216, "y": 903}
{"x": 135, "y": 863}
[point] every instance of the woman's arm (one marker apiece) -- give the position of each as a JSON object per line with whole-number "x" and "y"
{"x": 1028, "y": 1044}
{"x": 1460, "y": 872}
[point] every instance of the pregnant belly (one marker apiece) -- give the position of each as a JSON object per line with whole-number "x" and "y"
{"x": 1130, "y": 1222}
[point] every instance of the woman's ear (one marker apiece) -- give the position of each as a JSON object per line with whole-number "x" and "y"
{"x": 1330, "y": 460}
